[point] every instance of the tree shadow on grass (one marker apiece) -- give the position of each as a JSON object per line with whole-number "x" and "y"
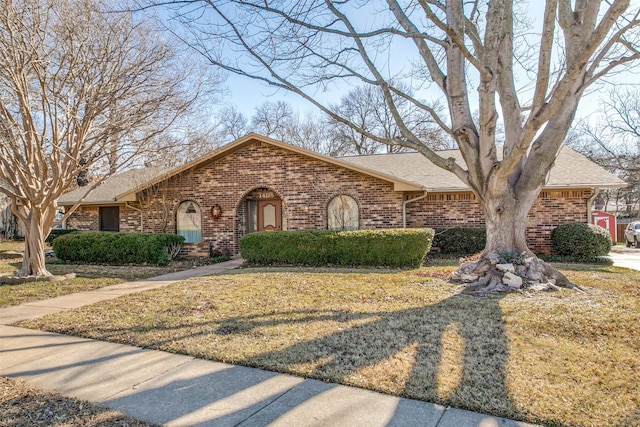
{"x": 453, "y": 352}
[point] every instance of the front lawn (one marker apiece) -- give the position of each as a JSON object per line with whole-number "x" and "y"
{"x": 89, "y": 277}
{"x": 558, "y": 358}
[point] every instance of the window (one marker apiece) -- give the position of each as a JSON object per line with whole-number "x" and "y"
{"x": 109, "y": 218}
{"x": 342, "y": 213}
{"x": 189, "y": 222}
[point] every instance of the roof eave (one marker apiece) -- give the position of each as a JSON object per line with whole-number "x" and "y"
{"x": 92, "y": 203}
{"x": 400, "y": 185}
{"x": 603, "y": 186}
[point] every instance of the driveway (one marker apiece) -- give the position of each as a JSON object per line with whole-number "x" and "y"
{"x": 625, "y": 257}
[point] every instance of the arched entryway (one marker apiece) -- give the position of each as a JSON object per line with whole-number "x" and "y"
{"x": 262, "y": 210}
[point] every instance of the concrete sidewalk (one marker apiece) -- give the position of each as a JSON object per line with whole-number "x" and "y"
{"x": 178, "y": 390}
{"x": 625, "y": 257}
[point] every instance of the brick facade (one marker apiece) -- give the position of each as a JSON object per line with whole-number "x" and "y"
{"x": 305, "y": 185}
{"x": 552, "y": 208}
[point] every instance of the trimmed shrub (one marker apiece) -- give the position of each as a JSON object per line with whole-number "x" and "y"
{"x": 55, "y": 232}
{"x": 580, "y": 240}
{"x": 116, "y": 248}
{"x": 393, "y": 248}
{"x": 461, "y": 241}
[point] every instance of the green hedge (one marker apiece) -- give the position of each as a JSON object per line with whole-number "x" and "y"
{"x": 580, "y": 240}
{"x": 459, "y": 240}
{"x": 55, "y": 232}
{"x": 115, "y": 248}
{"x": 394, "y": 248}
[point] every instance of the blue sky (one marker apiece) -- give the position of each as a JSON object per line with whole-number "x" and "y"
{"x": 247, "y": 94}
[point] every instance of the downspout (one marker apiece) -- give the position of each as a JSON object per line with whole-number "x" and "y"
{"x": 404, "y": 207}
{"x": 141, "y": 217}
{"x": 596, "y": 191}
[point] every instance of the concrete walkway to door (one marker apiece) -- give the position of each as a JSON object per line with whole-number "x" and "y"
{"x": 177, "y": 390}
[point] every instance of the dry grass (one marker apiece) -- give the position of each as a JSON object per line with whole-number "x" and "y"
{"x": 22, "y": 405}
{"x": 560, "y": 358}
{"x": 11, "y": 245}
{"x": 89, "y": 277}
{"x": 38, "y": 291}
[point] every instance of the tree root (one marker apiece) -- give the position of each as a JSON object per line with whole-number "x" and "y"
{"x": 490, "y": 273}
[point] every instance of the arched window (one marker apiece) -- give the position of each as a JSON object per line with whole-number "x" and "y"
{"x": 342, "y": 213}
{"x": 189, "y": 222}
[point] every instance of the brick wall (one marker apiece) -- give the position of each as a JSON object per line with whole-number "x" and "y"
{"x": 88, "y": 218}
{"x": 551, "y": 209}
{"x": 305, "y": 186}
{"x": 84, "y": 218}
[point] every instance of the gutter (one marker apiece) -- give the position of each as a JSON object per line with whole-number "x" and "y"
{"x": 141, "y": 217}
{"x": 596, "y": 191}
{"x": 404, "y": 207}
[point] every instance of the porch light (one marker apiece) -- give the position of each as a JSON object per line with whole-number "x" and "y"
{"x": 216, "y": 211}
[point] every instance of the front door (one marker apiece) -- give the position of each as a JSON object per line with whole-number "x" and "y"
{"x": 269, "y": 215}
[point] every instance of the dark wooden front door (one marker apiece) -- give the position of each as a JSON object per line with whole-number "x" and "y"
{"x": 269, "y": 215}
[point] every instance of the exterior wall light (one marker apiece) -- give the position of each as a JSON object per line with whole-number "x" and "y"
{"x": 216, "y": 211}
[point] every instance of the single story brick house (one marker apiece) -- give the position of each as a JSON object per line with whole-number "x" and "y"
{"x": 256, "y": 183}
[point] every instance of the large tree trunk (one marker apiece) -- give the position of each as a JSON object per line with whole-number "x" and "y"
{"x": 507, "y": 263}
{"x": 37, "y": 227}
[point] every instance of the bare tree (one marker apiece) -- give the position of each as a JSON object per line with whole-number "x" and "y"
{"x": 232, "y": 124}
{"x": 81, "y": 87}
{"x": 170, "y": 150}
{"x": 613, "y": 142}
{"x": 316, "y": 133}
{"x": 458, "y": 47}
{"x": 273, "y": 119}
{"x": 279, "y": 120}
{"x": 365, "y": 107}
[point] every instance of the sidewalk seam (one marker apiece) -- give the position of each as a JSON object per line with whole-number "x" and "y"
{"x": 442, "y": 415}
{"x": 257, "y": 411}
{"x": 133, "y": 386}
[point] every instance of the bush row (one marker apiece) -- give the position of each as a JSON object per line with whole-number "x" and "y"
{"x": 59, "y": 232}
{"x": 394, "y": 248}
{"x": 461, "y": 241}
{"x": 581, "y": 240}
{"x": 116, "y": 248}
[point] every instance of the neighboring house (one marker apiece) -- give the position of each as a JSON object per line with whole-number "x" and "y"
{"x": 257, "y": 183}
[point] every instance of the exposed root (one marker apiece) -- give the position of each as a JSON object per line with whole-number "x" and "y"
{"x": 492, "y": 273}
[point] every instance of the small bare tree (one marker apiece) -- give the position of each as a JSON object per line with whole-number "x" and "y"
{"x": 232, "y": 124}
{"x": 366, "y": 107}
{"x": 310, "y": 131}
{"x": 613, "y": 142}
{"x": 81, "y": 86}
{"x": 477, "y": 52}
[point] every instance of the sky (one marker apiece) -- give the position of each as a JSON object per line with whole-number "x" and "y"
{"x": 247, "y": 94}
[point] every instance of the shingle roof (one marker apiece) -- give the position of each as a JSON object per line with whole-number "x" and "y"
{"x": 571, "y": 170}
{"x": 409, "y": 171}
{"x": 112, "y": 187}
